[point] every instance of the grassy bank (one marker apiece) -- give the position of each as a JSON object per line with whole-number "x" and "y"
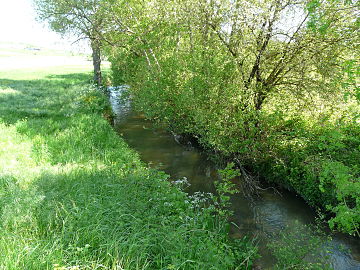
{"x": 74, "y": 196}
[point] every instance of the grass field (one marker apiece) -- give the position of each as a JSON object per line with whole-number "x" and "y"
{"x": 74, "y": 196}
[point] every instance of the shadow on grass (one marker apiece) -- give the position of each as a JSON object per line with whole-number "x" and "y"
{"x": 77, "y": 217}
{"x": 72, "y": 78}
{"x": 96, "y": 218}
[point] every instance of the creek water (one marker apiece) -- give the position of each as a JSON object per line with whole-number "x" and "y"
{"x": 261, "y": 217}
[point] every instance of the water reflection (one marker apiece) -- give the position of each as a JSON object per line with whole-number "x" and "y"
{"x": 261, "y": 217}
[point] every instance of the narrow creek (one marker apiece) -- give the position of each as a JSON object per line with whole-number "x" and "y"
{"x": 261, "y": 217}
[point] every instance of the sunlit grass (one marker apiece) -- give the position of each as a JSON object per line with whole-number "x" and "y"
{"x": 9, "y": 91}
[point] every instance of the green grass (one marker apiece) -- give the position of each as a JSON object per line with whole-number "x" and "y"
{"x": 74, "y": 196}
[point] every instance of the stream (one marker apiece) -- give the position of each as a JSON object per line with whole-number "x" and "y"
{"x": 261, "y": 217}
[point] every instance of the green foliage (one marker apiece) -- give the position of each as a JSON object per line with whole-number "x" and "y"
{"x": 351, "y": 69}
{"x": 347, "y": 186}
{"x": 93, "y": 99}
{"x": 225, "y": 187}
{"x": 81, "y": 19}
{"x": 74, "y": 196}
{"x": 321, "y": 165}
{"x": 250, "y": 86}
{"x": 297, "y": 249}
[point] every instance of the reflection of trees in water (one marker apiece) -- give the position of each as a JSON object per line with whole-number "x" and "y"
{"x": 120, "y": 102}
{"x": 199, "y": 171}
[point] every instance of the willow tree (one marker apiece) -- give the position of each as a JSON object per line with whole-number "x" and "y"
{"x": 81, "y": 18}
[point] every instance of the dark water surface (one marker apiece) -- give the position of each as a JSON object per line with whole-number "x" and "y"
{"x": 262, "y": 216}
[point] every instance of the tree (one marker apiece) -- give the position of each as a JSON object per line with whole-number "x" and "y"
{"x": 81, "y": 18}
{"x": 277, "y": 44}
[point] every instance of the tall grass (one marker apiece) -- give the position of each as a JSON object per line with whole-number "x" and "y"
{"x": 74, "y": 196}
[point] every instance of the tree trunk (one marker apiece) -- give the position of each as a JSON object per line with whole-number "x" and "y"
{"x": 96, "y": 57}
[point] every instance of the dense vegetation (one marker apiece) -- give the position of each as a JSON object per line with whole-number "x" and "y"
{"x": 279, "y": 99}
{"x": 272, "y": 85}
{"x": 74, "y": 196}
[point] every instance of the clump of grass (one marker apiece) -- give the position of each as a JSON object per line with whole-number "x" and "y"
{"x": 74, "y": 196}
